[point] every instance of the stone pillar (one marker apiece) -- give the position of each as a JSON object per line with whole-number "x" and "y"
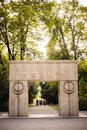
{"x": 68, "y": 98}
{"x": 18, "y": 99}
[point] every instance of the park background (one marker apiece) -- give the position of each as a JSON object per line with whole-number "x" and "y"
{"x": 43, "y": 30}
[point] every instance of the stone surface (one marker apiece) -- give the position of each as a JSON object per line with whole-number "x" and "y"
{"x": 18, "y": 102}
{"x": 68, "y": 102}
{"x": 64, "y": 72}
{"x": 43, "y": 70}
{"x": 44, "y": 124}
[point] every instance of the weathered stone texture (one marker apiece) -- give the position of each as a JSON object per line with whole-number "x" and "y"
{"x": 18, "y": 104}
{"x": 68, "y": 103}
{"x": 43, "y": 71}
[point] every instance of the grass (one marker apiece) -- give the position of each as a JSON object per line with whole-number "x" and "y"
{"x": 54, "y": 106}
{"x": 31, "y": 105}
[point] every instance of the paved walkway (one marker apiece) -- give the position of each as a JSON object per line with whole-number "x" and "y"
{"x": 43, "y": 118}
{"x": 43, "y": 112}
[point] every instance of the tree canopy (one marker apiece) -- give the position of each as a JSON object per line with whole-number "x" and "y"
{"x": 21, "y": 26}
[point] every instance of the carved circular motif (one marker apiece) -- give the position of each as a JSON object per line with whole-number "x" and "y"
{"x": 69, "y": 87}
{"x": 18, "y": 88}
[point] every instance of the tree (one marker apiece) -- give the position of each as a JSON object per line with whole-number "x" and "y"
{"x": 19, "y": 20}
{"x": 83, "y": 85}
{"x": 4, "y": 83}
{"x": 82, "y": 78}
{"x": 32, "y": 91}
{"x": 50, "y": 92}
{"x": 67, "y": 27}
{"x": 3, "y": 27}
{"x": 19, "y": 33}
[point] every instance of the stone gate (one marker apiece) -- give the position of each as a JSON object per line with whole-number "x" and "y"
{"x": 65, "y": 72}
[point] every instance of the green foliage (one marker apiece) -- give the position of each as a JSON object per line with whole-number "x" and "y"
{"x": 32, "y": 91}
{"x": 19, "y": 22}
{"x": 83, "y": 78}
{"x": 50, "y": 92}
{"x": 4, "y": 85}
{"x": 68, "y": 27}
{"x": 83, "y": 85}
{"x": 18, "y": 27}
{"x": 65, "y": 24}
{"x": 83, "y": 103}
{"x": 54, "y": 52}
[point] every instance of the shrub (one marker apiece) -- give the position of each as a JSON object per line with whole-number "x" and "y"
{"x": 83, "y": 103}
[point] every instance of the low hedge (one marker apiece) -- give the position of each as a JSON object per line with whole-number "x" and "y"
{"x": 83, "y": 103}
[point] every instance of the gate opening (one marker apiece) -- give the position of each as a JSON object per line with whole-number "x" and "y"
{"x": 43, "y": 99}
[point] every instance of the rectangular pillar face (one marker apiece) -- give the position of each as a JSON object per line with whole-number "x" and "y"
{"x": 18, "y": 99}
{"x": 68, "y": 98}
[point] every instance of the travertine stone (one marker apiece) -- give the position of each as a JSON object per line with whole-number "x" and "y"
{"x": 18, "y": 103}
{"x": 68, "y": 103}
{"x": 43, "y": 71}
